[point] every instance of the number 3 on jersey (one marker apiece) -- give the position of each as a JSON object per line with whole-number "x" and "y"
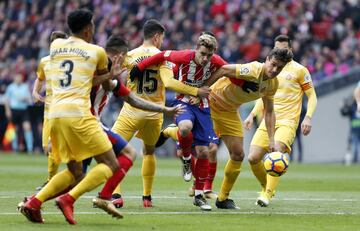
{"x": 147, "y": 82}
{"x": 68, "y": 67}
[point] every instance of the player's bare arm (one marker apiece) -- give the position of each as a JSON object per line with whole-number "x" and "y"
{"x": 228, "y": 70}
{"x": 269, "y": 116}
{"x": 37, "y": 90}
{"x": 140, "y": 103}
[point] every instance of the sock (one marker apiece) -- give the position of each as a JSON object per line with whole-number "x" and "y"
{"x": 192, "y": 166}
{"x": 271, "y": 185}
{"x": 260, "y": 173}
{"x": 171, "y": 132}
{"x": 29, "y": 140}
{"x": 231, "y": 172}
{"x": 53, "y": 166}
{"x": 210, "y": 177}
{"x": 117, "y": 189}
{"x": 148, "y": 173}
{"x": 85, "y": 164}
{"x": 125, "y": 164}
{"x": 58, "y": 183}
{"x": 201, "y": 172}
{"x": 95, "y": 177}
{"x": 185, "y": 143}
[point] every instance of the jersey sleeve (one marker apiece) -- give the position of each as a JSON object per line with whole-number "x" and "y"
{"x": 248, "y": 71}
{"x": 305, "y": 79}
{"x": 102, "y": 60}
{"x": 40, "y": 71}
{"x": 169, "y": 55}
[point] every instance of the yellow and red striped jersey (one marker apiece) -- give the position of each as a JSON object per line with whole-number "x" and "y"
{"x": 73, "y": 63}
{"x": 227, "y": 96}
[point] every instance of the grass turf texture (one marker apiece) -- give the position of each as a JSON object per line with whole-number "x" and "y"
{"x": 309, "y": 197}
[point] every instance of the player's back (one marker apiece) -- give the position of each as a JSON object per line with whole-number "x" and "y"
{"x": 149, "y": 86}
{"x": 294, "y": 79}
{"x": 227, "y": 95}
{"x": 73, "y": 63}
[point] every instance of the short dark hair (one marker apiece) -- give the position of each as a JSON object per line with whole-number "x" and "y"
{"x": 57, "y": 34}
{"x": 152, "y": 27}
{"x": 78, "y": 19}
{"x": 283, "y": 55}
{"x": 208, "y": 33}
{"x": 116, "y": 44}
{"x": 283, "y": 38}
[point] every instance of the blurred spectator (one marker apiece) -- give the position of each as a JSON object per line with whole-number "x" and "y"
{"x": 17, "y": 100}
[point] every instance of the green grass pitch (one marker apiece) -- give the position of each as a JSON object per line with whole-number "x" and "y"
{"x": 309, "y": 197}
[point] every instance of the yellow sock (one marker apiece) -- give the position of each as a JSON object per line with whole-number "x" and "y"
{"x": 53, "y": 166}
{"x": 231, "y": 172}
{"x": 58, "y": 183}
{"x": 272, "y": 182}
{"x": 171, "y": 132}
{"x": 260, "y": 173}
{"x": 148, "y": 173}
{"x": 117, "y": 189}
{"x": 95, "y": 177}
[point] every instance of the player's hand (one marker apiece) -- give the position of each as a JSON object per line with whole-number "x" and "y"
{"x": 194, "y": 100}
{"x": 135, "y": 72}
{"x": 174, "y": 111}
{"x": 116, "y": 69}
{"x": 250, "y": 86}
{"x": 37, "y": 97}
{"x": 204, "y": 91}
{"x": 248, "y": 122}
{"x": 306, "y": 126}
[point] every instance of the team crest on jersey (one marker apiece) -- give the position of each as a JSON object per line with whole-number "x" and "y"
{"x": 167, "y": 53}
{"x": 289, "y": 76}
{"x": 307, "y": 78}
{"x": 244, "y": 70}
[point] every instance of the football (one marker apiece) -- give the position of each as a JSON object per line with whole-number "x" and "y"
{"x": 276, "y": 163}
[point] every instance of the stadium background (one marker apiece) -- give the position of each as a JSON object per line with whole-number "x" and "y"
{"x": 326, "y": 39}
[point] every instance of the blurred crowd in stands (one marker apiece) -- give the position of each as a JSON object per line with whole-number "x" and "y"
{"x": 325, "y": 33}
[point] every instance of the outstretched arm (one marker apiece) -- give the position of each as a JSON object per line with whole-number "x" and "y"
{"x": 228, "y": 70}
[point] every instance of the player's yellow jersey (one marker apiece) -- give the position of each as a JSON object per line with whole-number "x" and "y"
{"x": 73, "y": 63}
{"x": 228, "y": 96}
{"x": 149, "y": 86}
{"x": 41, "y": 72}
{"x": 294, "y": 80}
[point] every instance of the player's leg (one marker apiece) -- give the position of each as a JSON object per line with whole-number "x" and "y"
{"x": 149, "y": 134}
{"x": 208, "y": 191}
{"x": 229, "y": 127}
{"x": 170, "y": 131}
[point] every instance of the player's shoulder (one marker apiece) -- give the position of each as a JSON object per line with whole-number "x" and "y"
{"x": 45, "y": 59}
{"x": 217, "y": 59}
{"x": 297, "y": 66}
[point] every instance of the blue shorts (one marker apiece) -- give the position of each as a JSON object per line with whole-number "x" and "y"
{"x": 202, "y": 131}
{"x": 118, "y": 144}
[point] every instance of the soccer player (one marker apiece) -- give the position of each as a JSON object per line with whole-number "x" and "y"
{"x": 195, "y": 126}
{"x": 44, "y": 66}
{"x": 225, "y": 99}
{"x": 78, "y": 133}
{"x": 150, "y": 86}
{"x": 294, "y": 81}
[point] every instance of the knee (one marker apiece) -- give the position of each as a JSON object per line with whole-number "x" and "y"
{"x": 130, "y": 152}
{"x": 253, "y": 159}
{"x": 203, "y": 153}
{"x": 237, "y": 155}
{"x": 185, "y": 128}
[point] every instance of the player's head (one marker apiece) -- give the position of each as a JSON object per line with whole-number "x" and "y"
{"x": 57, "y": 34}
{"x": 154, "y": 31}
{"x": 282, "y": 42}
{"x": 80, "y": 23}
{"x": 115, "y": 47}
{"x": 276, "y": 60}
{"x": 205, "y": 48}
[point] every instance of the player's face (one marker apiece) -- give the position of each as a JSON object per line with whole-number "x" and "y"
{"x": 282, "y": 45}
{"x": 203, "y": 55}
{"x": 118, "y": 57}
{"x": 90, "y": 31}
{"x": 158, "y": 40}
{"x": 273, "y": 67}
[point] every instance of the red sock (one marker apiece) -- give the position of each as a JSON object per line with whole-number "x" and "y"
{"x": 201, "y": 172}
{"x": 193, "y": 163}
{"x": 185, "y": 143}
{"x": 110, "y": 185}
{"x": 34, "y": 203}
{"x": 210, "y": 177}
